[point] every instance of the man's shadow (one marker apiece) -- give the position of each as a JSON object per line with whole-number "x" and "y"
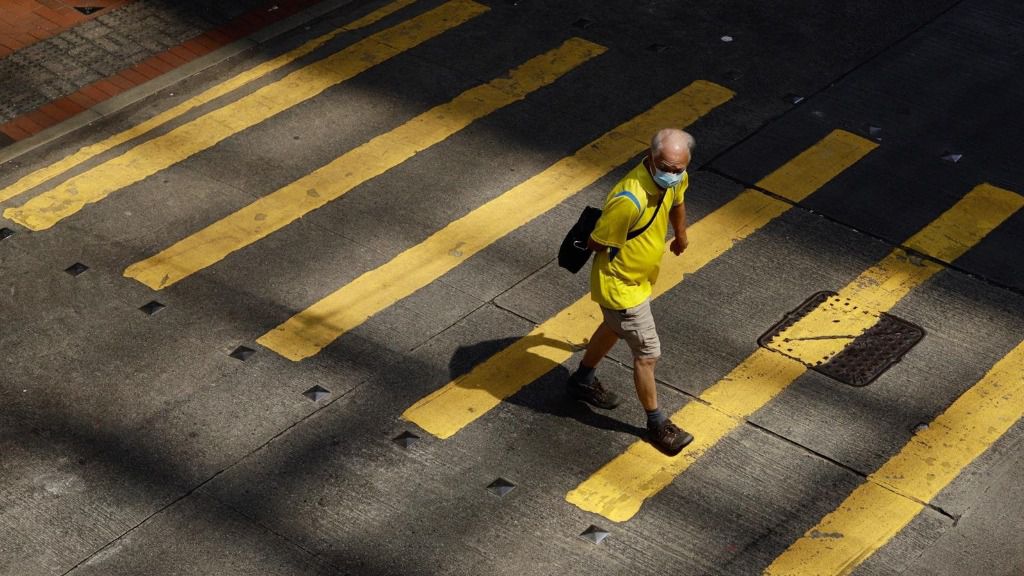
{"x": 546, "y": 394}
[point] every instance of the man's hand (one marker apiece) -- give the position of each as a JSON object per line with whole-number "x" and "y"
{"x": 679, "y": 244}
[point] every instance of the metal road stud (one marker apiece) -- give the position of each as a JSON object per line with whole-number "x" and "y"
{"x": 594, "y": 534}
{"x": 242, "y": 353}
{"x": 405, "y": 439}
{"x": 317, "y": 393}
{"x": 152, "y": 307}
{"x": 76, "y": 268}
{"x": 501, "y": 487}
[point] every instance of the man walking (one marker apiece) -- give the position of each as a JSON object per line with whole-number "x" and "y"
{"x": 629, "y": 241}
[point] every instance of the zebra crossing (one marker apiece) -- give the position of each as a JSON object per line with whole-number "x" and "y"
{"x": 49, "y": 197}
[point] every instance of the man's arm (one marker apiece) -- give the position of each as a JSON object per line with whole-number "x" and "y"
{"x": 677, "y": 217}
{"x": 595, "y": 246}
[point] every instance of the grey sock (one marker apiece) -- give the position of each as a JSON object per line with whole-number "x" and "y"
{"x": 584, "y": 375}
{"x": 655, "y": 418}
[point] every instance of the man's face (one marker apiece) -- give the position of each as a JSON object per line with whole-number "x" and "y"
{"x": 671, "y": 161}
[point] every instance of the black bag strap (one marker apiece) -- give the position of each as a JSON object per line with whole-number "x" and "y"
{"x": 640, "y": 231}
{"x": 615, "y": 251}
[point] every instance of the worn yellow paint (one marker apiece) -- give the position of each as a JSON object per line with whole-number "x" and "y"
{"x": 866, "y": 520}
{"x": 309, "y": 331}
{"x": 617, "y": 491}
{"x": 813, "y": 168}
{"x": 936, "y": 455}
{"x": 256, "y": 72}
{"x": 970, "y": 220}
{"x": 827, "y": 330}
{"x": 891, "y": 497}
{"x": 824, "y": 332}
{"x": 620, "y": 487}
{"x": 460, "y": 402}
{"x": 285, "y": 205}
{"x": 150, "y": 157}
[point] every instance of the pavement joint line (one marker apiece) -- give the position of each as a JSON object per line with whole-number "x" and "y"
{"x": 446, "y": 328}
{"x": 256, "y": 521}
{"x": 195, "y": 136}
{"x": 118, "y": 103}
{"x": 892, "y": 496}
{"x": 318, "y": 408}
{"x": 449, "y": 409}
{"x": 277, "y": 210}
{"x": 863, "y": 475}
{"x": 307, "y": 332}
{"x": 619, "y": 488}
{"x": 950, "y": 265}
{"x": 828, "y": 85}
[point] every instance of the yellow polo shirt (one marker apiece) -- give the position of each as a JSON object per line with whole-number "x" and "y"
{"x": 625, "y": 280}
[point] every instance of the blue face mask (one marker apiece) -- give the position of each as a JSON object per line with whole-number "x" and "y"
{"x": 667, "y": 179}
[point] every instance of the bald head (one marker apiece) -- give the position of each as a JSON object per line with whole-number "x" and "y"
{"x": 670, "y": 149}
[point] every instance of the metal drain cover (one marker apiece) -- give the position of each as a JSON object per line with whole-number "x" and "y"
{"x": 842, "y": 340}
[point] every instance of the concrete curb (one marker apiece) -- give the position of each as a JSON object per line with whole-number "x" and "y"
{"x": 142, "y": 91}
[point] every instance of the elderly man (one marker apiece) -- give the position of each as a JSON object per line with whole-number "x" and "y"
{"x": 629, "y": 241}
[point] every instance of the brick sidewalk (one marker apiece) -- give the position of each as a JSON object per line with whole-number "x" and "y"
{"x": 25, "y": 22}
{"x": 61, "y": 61}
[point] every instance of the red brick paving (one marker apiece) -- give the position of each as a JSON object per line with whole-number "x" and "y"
{"x": 24, "y": 22}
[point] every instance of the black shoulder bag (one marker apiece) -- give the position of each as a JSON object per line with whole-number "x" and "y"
{"x": 574, "y": 253}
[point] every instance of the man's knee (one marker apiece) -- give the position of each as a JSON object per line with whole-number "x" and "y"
{"x": 646, "y": 362}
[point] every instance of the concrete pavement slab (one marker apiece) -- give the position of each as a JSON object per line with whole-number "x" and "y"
{"x": 969, "y": 326}
{"x": 704, "y": 521}
{"x": 200, "y": 536}
{"x": 922, "y": 118}
{"x": 325, "y": 477}
{"x": 984, "y": 534}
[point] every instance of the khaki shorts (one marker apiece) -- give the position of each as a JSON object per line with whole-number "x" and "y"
{"x": 636, "y": 326}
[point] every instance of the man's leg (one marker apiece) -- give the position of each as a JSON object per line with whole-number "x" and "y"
{"x": 583, "y": 384}
{"x": 646, "y": 347}
{"x": 643, "y": 379}
{"x": 665, "y": 435}
{"x": 600, "y": 345}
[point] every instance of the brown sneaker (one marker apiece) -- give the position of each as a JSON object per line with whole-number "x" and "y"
{"x": 594, "y": 394}
{"x": 669, "y": 438}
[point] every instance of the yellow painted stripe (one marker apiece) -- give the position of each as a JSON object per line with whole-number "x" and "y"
{"x": 870, "y": 517}
{"x": 460, "y": 402}
{"x": 308, "y": 332}
{"x": 618, "y": 489}
{"x": 282, "y": 207}
{"x": 891, "y": 497}
{"x": 831, "y": 327}
{"x": 813, "y": 168}
{"x": 154, "y": 155}
{"x": 42, "y": 175}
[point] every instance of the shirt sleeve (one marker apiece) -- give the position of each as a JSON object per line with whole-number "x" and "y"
{"x": 617, "y": 217}
{"x": 680, "y": 190}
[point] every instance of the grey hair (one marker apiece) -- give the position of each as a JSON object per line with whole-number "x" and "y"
{"x": 661, "y": 136}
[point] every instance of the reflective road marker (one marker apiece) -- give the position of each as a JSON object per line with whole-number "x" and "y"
{"x": 891, "y": 497}
{"x": 618, "y": 489}
{"x": 150, "y": 157}
{"x": 460, "y": 402}
{"x": 282, "y": 207}
{"x": 43, "y": 174}
{"x": 308, "y": 332}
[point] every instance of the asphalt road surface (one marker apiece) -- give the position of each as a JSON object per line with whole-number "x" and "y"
{"x": 298, "y": 312}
